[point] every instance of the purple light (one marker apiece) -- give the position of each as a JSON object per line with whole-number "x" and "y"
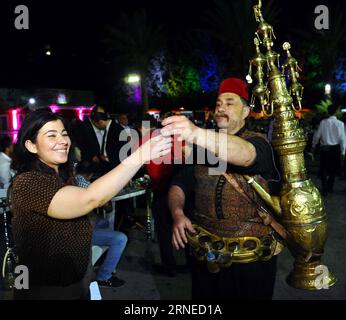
{"x": 137, "y": 94}
{"x": 80, "y": 114}
{"x": 14, "y": 119}
{"x": 14, "y": 124}
{"x": 54, "y": 108}
{"x": 81, "y": 111}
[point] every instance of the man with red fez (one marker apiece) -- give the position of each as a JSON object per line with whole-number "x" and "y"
{"x": 233, "y": 248}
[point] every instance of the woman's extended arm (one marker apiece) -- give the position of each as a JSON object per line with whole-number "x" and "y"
{"x": 72, "y": 202}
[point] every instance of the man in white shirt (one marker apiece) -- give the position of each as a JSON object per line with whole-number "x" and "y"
{"x": 6, "y": 150}
{"x": 331, "y": 136}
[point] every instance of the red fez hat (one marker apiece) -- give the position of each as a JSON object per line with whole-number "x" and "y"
{"x": 234, "y": 85}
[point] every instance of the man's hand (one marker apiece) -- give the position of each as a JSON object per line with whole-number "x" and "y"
{"x": 181, "y": 222}
{"x": 179, "y": 125}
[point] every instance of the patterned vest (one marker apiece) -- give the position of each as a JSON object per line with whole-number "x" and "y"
{"x": 221, "y": 210}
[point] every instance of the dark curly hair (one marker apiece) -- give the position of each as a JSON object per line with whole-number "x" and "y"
{"x": 23, "y": 160}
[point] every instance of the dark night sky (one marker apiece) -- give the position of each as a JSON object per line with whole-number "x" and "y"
{"x": 73, "y": 29}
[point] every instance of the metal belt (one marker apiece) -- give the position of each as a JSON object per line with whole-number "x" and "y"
{"x": 220, "y": 252}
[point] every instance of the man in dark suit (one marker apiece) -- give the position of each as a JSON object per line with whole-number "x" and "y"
{"x": 91, "y": 141}
{"x": 118, "y": 135}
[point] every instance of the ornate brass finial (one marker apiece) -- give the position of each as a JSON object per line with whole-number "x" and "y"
{"x": 286, "y": 46}
{"x": 258, "y": 12}
{"x": 260, "y": 90}
{"x": 292, "y": 67}
{"x": 265, "y": 33}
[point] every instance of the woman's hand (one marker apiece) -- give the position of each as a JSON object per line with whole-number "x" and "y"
{"x": 154, "y": 148}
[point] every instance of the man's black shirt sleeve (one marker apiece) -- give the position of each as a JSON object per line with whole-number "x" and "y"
{"x": 263, "y": 164}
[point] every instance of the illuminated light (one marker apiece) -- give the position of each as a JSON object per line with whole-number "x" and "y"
{"x": 83, "y": 111}
{"x": 340, "y": 76}
{"x": 327, "y": 88}
{"x": 248, "y": 79}
{"x": 192, "y": 81}
{"x": 80, "y": 112}
{"x": 48, "y": 53}
{"x": 209, "y": 74}
{"x": 134, "y": 88}
{"x": 14, "y": 120}
{"x": 15, "y": 137}
{"x": 54, "y": 108}
{"x": 137, "y": 95}
{"x": 153, "y": 111}
{"x": 343, "y": 110}
{"x": 182, "y": 108}
{"x": 184, "y": 80}
{"x": 32, "y": 101}
{"x": 133, "y": 78}
{"x": 62, "y": 99}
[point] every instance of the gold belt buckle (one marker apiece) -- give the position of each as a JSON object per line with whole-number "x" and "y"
{"x": 226, "y": 251}
{"x": 203, "y": 241}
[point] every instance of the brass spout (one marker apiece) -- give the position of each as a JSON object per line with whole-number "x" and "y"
{"x": 271, "y": 201}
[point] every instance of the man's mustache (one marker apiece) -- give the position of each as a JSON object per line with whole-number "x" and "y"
{"x": 221, "y": 115}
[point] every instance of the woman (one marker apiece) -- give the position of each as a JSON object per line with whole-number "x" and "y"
{"x": 51, "y": 231}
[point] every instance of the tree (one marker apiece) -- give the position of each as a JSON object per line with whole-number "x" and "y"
{"x": 323, "y": 49}
{"x": 135, "y": 40}
{"x": 233, "y": 25}
{"x": 156, "y": 74}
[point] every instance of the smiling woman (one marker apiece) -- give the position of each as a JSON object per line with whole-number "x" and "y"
{"x": 51, "y": 231}
{"x": 52, "y": 144}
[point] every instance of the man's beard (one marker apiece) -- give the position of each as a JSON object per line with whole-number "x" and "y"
{"x": 230, "y": 124}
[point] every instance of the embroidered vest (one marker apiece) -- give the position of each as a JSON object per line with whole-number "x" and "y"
{"x": 221, "y": 210}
